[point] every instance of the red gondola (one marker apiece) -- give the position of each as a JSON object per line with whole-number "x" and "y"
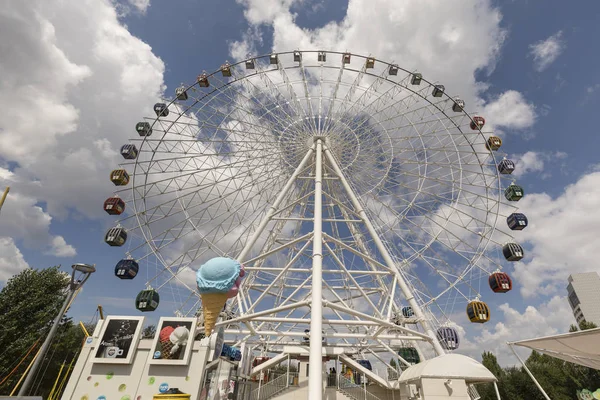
{"x": 114, "y": 205}
{"x": 477, "y": 123}
{"x": 500, "y": 282}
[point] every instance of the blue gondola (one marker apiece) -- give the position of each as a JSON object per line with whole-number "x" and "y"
{"x": 517, "y": 221}
{"x": 126, "y": 269}
{"x": 407, "y": 312}
{"x": 365, "y": 363}
{"x": 448, "y": 338}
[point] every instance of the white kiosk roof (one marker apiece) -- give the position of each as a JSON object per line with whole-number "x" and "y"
{"x": 448, "y": 366}
{"x": 581, "y": 347}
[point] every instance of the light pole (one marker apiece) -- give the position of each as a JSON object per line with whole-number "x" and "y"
{"x": 85, "y": 271}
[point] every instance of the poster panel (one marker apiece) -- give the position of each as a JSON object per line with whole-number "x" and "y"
{"x": 173, "y": 342}
{"x": 119, "y": 338}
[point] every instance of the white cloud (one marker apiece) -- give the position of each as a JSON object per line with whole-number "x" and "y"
{"x": 11, "y": 259}
{"x": 140, "y": 5}
{"x": 545, "y": 52}
{"x": 550, "y": 318}
{"x": 563, "y": 234}
{"x": 510, "y": 110}
{"x": 60, "y": 248}
{"x": 72, "y": 104}
{"x": 534, "y": 161}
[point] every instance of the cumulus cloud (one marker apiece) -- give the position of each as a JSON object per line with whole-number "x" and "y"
{"x": 140, "y": 5}
{"x": 510, "y": 110}
{"x": 549, "y": 318}
{"x": 11, "y": 259}
{"x": 72, "y": 104}
{"x": 562, "y": 234}
{"x": 534, "y": 161}
{"x": 545, "y": 52}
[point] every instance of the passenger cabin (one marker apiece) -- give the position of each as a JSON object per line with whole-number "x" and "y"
{"x": 478, "y": 312}
{"x": 500, "y": 282}
{"x": 147, "y": 300}
{"x": 143, "y": 128}
{"x": 393, "y": 70}
{"x": 126, "y": 269}
{"x": 116, "y": 236}
{"x": 119, "y": 177}
{"x": 181, "y": 93}
{"x": 407, "y": 312}
{"x": 365, "y": 363}
{"x": 477, "y": 123}
{"x": 513, "y": 251}
{"x": 448, "y": 338}
{"x": 322, "y": 56}
{"x": 416, "y": 78}
{"x": 506, "y": 167}
{"x": 517, "y": 221}
{"x": 493, "y": 143}
{"x": 273, "y": 59}
{"x": 438, "y": 90}
{"x": 161, "y": 110}
{"x": 226, "y": 69}
{"x": 459, "y": 105}
{"x": 370, "y": 63}
{"x": 513, "y": 193}
{"x": 409, "y": 354}
{"x": 250, "y": 64}
{"x": 346, "y": 58}
{"x": 297, "y": 56}
{"x": 114, "y": 205}
{"x": 203, "y": 80}
{"x": 129, "y": 151}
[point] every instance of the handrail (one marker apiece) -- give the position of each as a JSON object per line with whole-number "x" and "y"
{"x": 270, "y": 389}
{"x": 354, "y": 391}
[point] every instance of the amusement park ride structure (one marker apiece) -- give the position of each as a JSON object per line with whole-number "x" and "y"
{"x": 360, "y": 197}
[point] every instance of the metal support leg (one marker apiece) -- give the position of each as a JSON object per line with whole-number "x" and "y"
{"x": 315, "y": 377}
{"x": 529, "y": 372}
{"x": 386, "y": 255}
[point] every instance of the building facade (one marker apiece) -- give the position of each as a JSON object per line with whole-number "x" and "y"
{"x": 584, "y": 296}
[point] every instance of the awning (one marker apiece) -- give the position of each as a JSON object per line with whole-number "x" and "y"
{"x": 448, "y": 366}
{"x": 581, "y": 347}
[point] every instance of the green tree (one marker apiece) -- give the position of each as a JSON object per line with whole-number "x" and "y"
{"x": 28, "y": 305}
{"x": 149, "y": 332}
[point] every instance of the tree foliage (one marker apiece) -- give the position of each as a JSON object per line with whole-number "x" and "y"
{"x": 560, "y": 379}
{"x": 29, "y": 304}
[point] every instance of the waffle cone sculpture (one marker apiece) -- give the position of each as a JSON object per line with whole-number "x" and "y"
{"x": 165, "y": 354}
{"x": 218, "y": 279}
{"x": 212, "y": 304}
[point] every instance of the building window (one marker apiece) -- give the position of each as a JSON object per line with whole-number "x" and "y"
{"x": 573, "y": 300}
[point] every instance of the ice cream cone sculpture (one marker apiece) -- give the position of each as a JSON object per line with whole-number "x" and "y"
{"x": 218, "y": 280}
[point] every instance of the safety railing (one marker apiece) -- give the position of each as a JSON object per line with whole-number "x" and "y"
{"x": 353, "y": 390}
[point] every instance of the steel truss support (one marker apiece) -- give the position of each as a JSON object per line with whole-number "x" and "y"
{"x": 379, "y": 326}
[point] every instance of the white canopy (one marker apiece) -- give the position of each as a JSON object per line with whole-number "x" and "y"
{"x": 581, "y": 347}
{"x": 448, "y": 366}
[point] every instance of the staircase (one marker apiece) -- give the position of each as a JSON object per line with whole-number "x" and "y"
{"x": 354, "y": 391}
{"x": 271, "y": 388}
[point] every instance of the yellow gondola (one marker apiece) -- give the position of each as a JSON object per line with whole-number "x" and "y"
{"x": 478, "y": 312}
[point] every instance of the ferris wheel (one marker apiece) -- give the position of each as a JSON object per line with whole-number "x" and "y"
{"x": 366, "y": 204}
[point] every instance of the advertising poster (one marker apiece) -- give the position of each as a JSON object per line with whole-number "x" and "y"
{"x": 118, "y": 341}
{"x": 173, "y": 341}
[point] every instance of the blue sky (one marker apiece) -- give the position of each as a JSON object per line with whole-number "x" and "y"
{"x": 87, "y": 90}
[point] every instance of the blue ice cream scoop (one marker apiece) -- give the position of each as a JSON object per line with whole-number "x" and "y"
{"x": 217, "y": 275}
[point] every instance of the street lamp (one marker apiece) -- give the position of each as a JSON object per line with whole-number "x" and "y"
{"x": 80, "y": 274}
